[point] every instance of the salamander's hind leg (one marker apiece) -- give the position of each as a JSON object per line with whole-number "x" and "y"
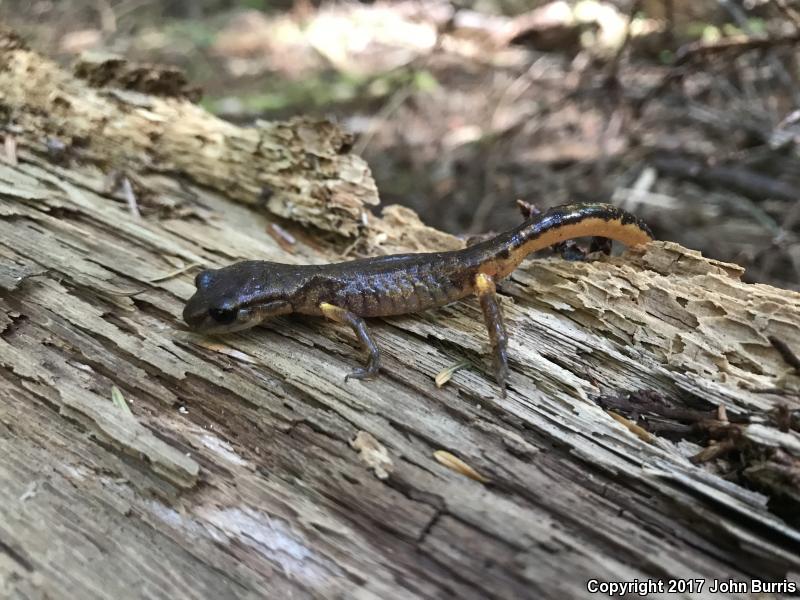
{"x": 340, "y": 315}
{"x": 487, "y": 295}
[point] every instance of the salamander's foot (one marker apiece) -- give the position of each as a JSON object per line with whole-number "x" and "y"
{"x": 340, "y": 315}
{"x": 370, "y": 372}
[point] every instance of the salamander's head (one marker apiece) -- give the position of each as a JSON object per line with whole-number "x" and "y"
{"x": 236, "y": 297}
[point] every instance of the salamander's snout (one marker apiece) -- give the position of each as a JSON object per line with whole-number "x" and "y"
{"x": 233, "y": 298}
{"x": 197, "y": 312}
{"x": 194, "y": 313}
{"x": 215, "y": 309}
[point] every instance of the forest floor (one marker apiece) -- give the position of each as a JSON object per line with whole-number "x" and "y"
{"x": 689, "y": 119}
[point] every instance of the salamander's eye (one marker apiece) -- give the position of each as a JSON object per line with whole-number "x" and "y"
{"x": 223, "y": 316}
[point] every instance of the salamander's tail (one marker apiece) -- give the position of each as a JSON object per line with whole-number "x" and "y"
{"x": 559, "y": 224}
{"x": 570, "y": 221}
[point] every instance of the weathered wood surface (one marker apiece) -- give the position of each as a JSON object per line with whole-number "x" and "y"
{"x": 293, "y": 169}
{"x": 250, "y": 469}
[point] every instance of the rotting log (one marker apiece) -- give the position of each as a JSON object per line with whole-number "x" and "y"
{"x": 246, "y": 467}
{"x": 293, "y": 169}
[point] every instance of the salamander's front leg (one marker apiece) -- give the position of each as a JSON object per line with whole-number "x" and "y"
{"x": 487, "y": 294}
{"x": 340, "y": 315}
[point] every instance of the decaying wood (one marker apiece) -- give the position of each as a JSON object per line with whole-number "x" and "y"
{"x": 250, "y": 469}
{"x": 294, "y": 169}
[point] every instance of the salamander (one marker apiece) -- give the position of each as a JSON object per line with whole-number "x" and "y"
{"x": 246, "y": 293}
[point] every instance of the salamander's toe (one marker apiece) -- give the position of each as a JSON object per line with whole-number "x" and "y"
{"x": 501, "y": 375}
{"x": 359, "y": 374}
{"x": 370, "y": 372}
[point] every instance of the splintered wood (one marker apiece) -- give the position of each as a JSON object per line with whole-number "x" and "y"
{"x": 294, "y": 169}
{"x": 233, "y": 475}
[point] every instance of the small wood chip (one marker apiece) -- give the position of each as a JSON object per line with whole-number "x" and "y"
{"x": 446, "y": 375}
{"x": 11, "y": 150}
{"x": 456, "y": 464}
{"x": 29, "y": 492}
{"x": 130, "y": 198}
{"x": 373, "y": 453}
{"x": 713, "y": 451}
{"x": 285, "y": 239}
{"x": 124, "y": 293}
{"x": 635, "y": 429}
{"x": 119, "y": 400}
{"x": 223, "y": 349}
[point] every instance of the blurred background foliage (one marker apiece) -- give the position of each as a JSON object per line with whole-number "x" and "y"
{"x": 684, "y": 111}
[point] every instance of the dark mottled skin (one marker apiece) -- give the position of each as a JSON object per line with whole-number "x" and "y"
{"x": 245, "y": 293}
